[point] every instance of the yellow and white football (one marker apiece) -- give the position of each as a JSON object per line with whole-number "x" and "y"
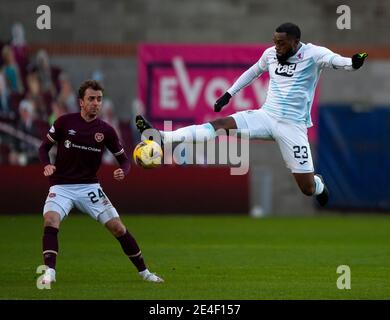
{"x": 148, "y": 154}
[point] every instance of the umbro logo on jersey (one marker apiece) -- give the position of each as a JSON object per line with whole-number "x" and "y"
{"x": 286, "y": 70}
{"x": 71, "y": 132}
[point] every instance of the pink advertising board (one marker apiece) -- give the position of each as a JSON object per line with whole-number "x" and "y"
{"x": 181, "y": 82}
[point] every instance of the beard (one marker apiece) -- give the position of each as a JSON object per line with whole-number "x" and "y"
{"x": 282, "y": 59}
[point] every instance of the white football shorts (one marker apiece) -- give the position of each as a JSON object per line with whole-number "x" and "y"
{"x": 88, "y": 198}
{"x": 291, "y": 137}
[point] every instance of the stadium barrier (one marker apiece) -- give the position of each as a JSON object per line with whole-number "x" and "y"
{"x": 167, "y": 190}
{"x": 354, "y": 158}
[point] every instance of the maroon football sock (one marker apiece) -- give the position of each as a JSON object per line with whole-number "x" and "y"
{"x": 131, "y": 249}
{"x": 50, "y": 246}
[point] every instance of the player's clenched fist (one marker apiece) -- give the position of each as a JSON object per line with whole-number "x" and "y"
{"x": 119, "y": 174}
{"x": 49, "y": 170}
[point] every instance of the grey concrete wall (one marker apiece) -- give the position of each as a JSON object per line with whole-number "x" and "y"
{"x": 206, "y": 21}
{"x": 367, "y": 86}
{"x": 200, "y": 20}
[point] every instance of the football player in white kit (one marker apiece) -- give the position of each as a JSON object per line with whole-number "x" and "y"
{"x": 294, "y": 69}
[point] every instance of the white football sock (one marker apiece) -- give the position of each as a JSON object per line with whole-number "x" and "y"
{"x": 194, "y": 133}
{"x": 319, "y": 185}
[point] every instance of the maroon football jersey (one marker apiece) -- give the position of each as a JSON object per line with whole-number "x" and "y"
{"x": 80, "y": 147}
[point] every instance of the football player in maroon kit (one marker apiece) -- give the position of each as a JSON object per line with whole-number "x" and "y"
{"x": 81, "y": 139}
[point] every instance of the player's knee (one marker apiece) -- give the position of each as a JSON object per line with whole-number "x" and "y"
{"x": 51, "y": 219}
{"x": 224, "y": 123}
{"x": 117, "y": 229}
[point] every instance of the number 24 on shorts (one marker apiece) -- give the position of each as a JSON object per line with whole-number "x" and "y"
{"x": 92, "y": 195}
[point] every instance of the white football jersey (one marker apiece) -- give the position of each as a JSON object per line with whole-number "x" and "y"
{"x": 292, "y": 85}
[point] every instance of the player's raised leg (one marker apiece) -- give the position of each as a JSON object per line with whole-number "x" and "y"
{"x": 313, "y": 185}
{"x": 295, "y": 148}
{"x": 193, "y": 133}
{"x": 52, "y": 221}
{"x": 131, "y": 249}
{"x": 321, "y": 193}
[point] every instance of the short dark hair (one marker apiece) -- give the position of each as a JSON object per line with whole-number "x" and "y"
{"x": 291, "y": 29}
{"x": 92, "y": 84}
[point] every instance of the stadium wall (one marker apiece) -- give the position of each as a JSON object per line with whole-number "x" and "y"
{"x": 197, "y": 21}
{"x": 168, "y": 190}
{"x": 189, "y": 189}
{"x": 353, "y": 159}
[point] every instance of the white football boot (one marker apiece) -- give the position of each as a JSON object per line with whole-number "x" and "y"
{"x": 151, "y": 277}
{"x": 49, "y": 276}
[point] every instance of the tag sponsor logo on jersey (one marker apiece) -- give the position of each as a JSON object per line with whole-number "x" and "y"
{"x": 286, "y": 70}
{"x": 67, "y": 144}
{"x": 99, "y": 136}
{"x": 71, "y": 132}
{"x": 52, "y": 195}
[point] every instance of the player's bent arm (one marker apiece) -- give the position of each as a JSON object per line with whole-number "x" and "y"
{"x": 113, "y": 144}
{"x": 123, "y": 161}
{"x": 245, "y": 79}
{"x": 44, "y": 150}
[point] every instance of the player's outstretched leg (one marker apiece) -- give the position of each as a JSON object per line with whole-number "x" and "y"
{"x": 131, "y": 249}
{"x": 322, "y": 197}
{"x": 193, "y": 133}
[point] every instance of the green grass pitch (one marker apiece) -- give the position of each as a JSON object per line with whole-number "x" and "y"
{"x": 203, "y": 257}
